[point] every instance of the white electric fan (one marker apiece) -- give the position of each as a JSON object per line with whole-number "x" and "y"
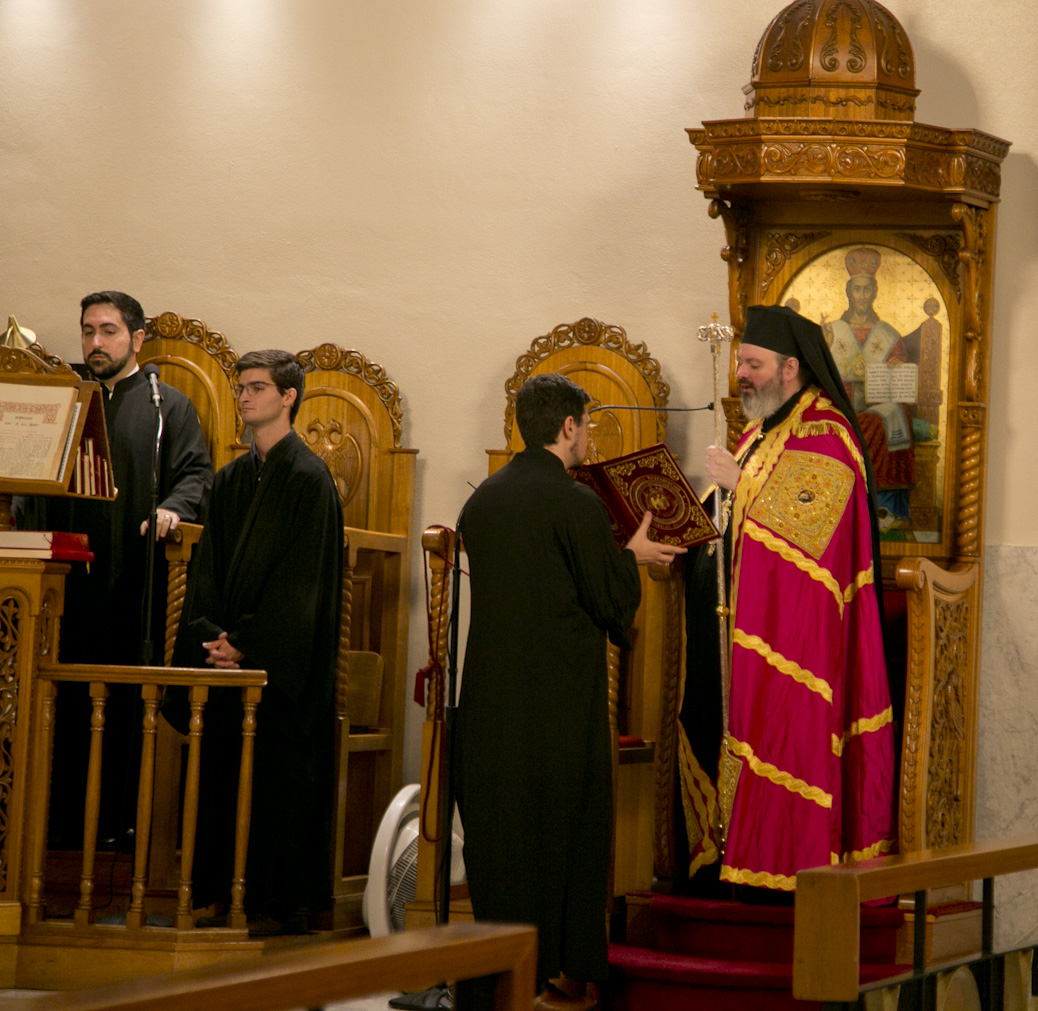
{"x": 393, "y": 869}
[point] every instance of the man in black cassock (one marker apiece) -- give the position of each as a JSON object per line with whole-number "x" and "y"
{"x": 103, "y": 620}
{"x": 533, "y": 764}
{"x": 265, "y": 594}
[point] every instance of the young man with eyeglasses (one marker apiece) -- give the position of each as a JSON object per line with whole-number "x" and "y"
{"x": 265, "y": 594}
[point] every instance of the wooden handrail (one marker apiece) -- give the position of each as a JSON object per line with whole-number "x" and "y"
{"x": 211, "y": 676}
{"x": 828, "y": 904}
{"x": 374, "y": 540}
{"x": 315, "y": 974}
{"x": 150, "y": 679}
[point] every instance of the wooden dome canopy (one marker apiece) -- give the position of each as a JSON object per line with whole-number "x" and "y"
{"x": 843, "y": 59}
{"x": 829, "y": 117}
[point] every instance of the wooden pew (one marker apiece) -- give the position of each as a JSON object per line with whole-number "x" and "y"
{"x": 825, "y": 946}
{"x": 314, "y": 974}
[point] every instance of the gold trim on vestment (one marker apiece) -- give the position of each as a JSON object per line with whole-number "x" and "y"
{"x": 836, "y": 427}
{"x": 861, "y": 580}
{"x": 780, "y": 778}
{"x": 781, "y": 664}
{"x": 796, "y": 557}
{"x": 882, "y": 846}
{"x": 699, "y": 805}
{"x": 761, "y": 879}
{"x": 868, "y": 725}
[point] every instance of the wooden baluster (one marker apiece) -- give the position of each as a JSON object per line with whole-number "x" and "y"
{"x": 342, "y": 725}
{"x": 176, "y": 591}
{"x": 250, "y": 699}
{"x": 39, "y": 794}
{"x": 613, "y": 689}
{"x": 198, "y": 695}
{"x": 150, "y": 695}
{"x": 84, "y": 913}
{"x": 439, "y": 543}
{"x": 342, "y": 665}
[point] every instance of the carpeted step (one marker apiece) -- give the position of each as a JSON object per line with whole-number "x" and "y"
{"x": 641, "y": 979}
{"x": 718, "y": 930}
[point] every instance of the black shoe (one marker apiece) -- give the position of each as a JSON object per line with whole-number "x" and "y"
{"x": 208, "y": 922}
{"x": 434, "y": 998}
{"x": 266, "y": 925}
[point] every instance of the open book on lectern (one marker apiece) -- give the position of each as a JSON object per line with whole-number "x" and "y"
{"x": 649, "y": 479}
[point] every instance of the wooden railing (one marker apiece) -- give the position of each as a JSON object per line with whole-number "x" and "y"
{"x": 828, "y": 901}
{"x": 313, "y": 975}
{"x": 151, "y": 681}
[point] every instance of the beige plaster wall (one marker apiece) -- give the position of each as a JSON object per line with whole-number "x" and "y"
{"x": 436, "y": 183}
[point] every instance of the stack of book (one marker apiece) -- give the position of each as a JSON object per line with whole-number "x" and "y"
{"x": 45, "y": 544}
{"x": 91, "y": 475}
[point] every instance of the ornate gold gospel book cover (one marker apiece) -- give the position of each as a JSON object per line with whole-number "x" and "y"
{"x": 649, "y": 479}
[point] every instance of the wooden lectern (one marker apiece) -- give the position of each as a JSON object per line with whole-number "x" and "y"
{"x": 36, "y": 393}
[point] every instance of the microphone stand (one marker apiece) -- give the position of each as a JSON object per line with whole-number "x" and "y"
{"x": 147, "y": 644}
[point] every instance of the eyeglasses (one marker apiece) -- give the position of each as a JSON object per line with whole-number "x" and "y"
{"x": 252, "y": 389}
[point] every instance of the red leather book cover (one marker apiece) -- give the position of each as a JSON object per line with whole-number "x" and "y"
{"x": 649, "y": 479}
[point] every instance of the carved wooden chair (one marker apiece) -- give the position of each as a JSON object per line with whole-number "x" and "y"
{"x": 351, "y": 416}
{"x": 937, "y": 788}
{"x": 198, "y": 362}
{"x": 616, "y": 373}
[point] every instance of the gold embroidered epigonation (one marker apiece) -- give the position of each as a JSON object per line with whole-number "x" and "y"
{"x": 804, "y": 499}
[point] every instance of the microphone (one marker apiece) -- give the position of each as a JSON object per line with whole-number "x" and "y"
{"x": 152, "y": 372}
{"x": 659, "y": 410}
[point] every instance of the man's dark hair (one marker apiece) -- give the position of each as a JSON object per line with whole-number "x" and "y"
{"x": 285, "y": 371}
{"x": 544, "y": 403}
{"x": 128, "y": 306}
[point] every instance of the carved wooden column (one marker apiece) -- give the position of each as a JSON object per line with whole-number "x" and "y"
{"x": 31, "y": 601}
{"x": 438, "y": 550}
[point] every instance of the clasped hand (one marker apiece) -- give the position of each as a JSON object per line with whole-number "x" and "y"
{"x": 222, "y": 654}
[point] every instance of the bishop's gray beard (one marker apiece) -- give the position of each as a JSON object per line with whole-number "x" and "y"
{"x": 763, "y": 403}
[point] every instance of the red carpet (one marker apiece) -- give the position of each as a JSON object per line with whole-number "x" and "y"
{"x": 728, "y": 956}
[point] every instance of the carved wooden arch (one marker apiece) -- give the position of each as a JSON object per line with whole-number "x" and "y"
{"x": 332, "y": 358}
{"x": 352, "y": 417}
{"x": 200, "y": 363}
{"x": 593, "y": 347}
{"x": 34, "y": 360}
